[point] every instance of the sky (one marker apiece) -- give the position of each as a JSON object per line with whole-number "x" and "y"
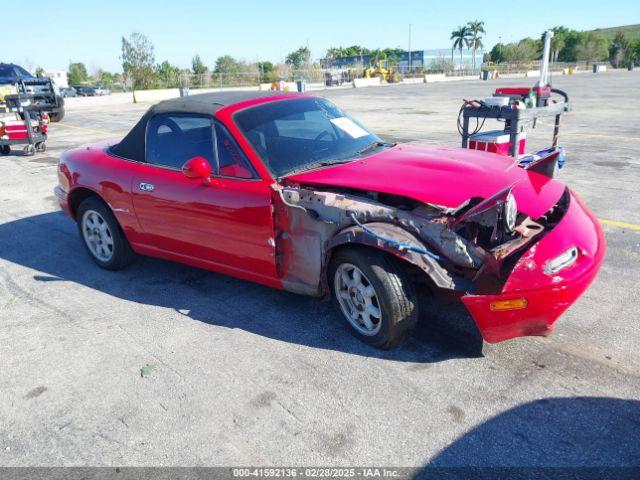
{"x": 251, "y": 30}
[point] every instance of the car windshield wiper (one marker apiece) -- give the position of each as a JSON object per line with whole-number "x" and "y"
{"x": 373, "y": 146}
{"x": 320, "y": 164}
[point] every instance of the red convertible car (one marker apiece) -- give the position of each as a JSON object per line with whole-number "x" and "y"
{"x": 289, "y": 191}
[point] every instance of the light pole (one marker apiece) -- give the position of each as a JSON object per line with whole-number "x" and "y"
{"x": 409, "y": 48}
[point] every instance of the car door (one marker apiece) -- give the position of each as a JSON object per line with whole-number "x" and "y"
{"x": 225, "y": 224}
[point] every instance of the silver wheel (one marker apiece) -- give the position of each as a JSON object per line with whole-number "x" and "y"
{"x": 97, "y": 235}
{"x": 358, "y": 300}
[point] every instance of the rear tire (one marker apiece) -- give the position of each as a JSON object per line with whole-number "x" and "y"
{"x": 56, "y": 115}
{"x": 5, "y": 149}
{"x": 102, "y": 236}
{"x": 374, "y": 295}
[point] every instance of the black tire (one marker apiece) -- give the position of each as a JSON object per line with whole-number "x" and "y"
{"x": 121, "y": 253}
{"x": 5, "y": 149}
{"x": 41, "y": 147}
{"x": 56, "y": 115}
{"x": 395, "y": 294}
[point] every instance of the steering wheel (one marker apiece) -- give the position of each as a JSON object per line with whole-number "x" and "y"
{"x": 315, "y": 151}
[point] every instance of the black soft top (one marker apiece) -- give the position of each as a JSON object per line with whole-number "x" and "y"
{"x": 132, "y": 146}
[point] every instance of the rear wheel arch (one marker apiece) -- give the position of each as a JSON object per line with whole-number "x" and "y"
{"x": 104, "y": 232}
{"x": 78, "y": 195}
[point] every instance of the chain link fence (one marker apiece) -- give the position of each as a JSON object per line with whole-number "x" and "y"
{"x": 314, "y": 74}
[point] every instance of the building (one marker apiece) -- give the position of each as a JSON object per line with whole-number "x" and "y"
{"x": 59, "y": 77}
{"x": 436, "y": 56}
{"x": 419, "y": 59}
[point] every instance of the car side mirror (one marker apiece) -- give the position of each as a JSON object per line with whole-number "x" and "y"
{"x": 197, "y": 167}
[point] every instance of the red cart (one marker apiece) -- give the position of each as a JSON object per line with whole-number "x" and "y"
{"x": 24, "y": 123}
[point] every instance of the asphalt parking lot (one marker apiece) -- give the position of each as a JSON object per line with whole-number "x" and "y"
{"x": 163, "y": 364}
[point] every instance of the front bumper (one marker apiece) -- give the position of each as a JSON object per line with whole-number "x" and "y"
{"x": 547, "y": 296}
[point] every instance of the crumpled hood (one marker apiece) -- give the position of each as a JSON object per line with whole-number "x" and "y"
{"x": 440, "y": 175}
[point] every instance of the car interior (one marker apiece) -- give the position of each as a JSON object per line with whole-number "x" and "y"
{"x": 174, "y": 139}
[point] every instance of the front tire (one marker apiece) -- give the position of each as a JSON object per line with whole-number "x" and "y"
{"x": 102, "y": 236}
{"x": 374, "y": 295}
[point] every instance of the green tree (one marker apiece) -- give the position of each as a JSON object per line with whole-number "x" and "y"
{"x": 591, "y": 47}
{"x": 138, "y": 60}
{"x": 526, "y": 50}
{"x": 227, "y": 64}
{"x": 618, "y": 52}
{"x": 496, "y": 53}
{"x": 197, "y": 65}
{"x": 574, "y": 46}
{"x": 460, "y": 38}
{"x": 39, "y": 72}
{"x": 77, "y": 74}
{"x": 633, "y": 53}
{"x": 476, "y": 27}
{"x": 298, "y": 58}
{"x": 104, "y": 78}
{"x": 169, "y": 75}
{"x": 199, "y": 70}
{"x": 268, "y": 72}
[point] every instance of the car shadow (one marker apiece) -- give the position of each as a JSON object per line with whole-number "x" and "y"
{"x": 551, "y": 438}
{"x": 449, "y": 332}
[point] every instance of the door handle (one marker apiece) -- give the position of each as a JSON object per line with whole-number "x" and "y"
{"x": 146, "y": 187}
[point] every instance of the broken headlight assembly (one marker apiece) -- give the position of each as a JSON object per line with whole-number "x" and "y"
{"x": 510, "y": 213}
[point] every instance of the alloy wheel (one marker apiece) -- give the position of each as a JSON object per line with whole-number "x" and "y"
{"x": 358, "y": 299}
{"x": 97, "y": 235}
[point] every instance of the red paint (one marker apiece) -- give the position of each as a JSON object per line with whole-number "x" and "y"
{"x": 548, "y": 296}
{"x": 496, "y": 141}
{"x": 227, "y": 225}
{"x": 197, "y": 167}
{"x": 16, "y": 130}
{"x": 442, "y": 175}
{"x": 521, "y": 91}
{"x": 228, "y": 222}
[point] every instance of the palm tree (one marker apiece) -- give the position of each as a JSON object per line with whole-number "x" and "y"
{"x": 460, "y": 39}
{"x": 475, "y": 28}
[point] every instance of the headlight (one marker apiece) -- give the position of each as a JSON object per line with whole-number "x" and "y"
{"x": 510, "y": 213}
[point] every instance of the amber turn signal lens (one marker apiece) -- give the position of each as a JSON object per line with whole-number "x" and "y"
{"x": 515, "y": 304}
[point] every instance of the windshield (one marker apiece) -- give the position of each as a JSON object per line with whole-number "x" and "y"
{"x": 304, "y": 133}
{"x": 13, "y": 71}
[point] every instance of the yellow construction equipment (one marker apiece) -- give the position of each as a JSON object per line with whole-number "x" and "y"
{"x": 386, "y": 74}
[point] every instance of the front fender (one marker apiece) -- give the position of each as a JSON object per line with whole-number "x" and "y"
{"x": 356, "y": 235}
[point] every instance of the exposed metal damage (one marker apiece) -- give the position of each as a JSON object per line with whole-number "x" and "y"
{"x": 462, "y": 249}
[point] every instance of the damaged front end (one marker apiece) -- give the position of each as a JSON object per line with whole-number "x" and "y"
{"x": 470, "y": 249}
